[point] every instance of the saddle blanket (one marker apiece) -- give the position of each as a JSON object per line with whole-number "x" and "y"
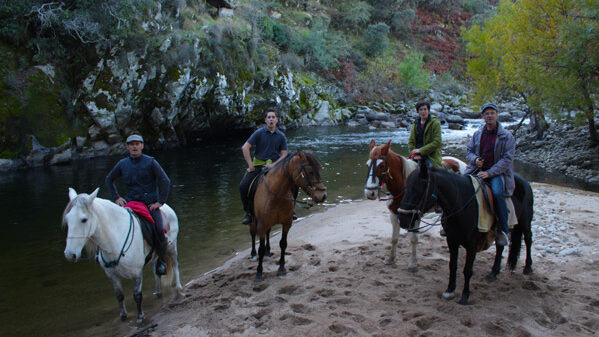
{"x": 485, "y": 218}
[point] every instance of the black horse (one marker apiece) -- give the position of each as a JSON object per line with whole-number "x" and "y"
{"x": 456, "y": 196}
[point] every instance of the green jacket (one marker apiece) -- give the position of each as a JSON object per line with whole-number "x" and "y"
{"x": 432, "y": 140}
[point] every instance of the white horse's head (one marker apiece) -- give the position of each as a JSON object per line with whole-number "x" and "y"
{"x": 80, "y": 221}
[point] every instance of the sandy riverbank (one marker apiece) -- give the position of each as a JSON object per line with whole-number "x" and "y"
{"x": 338, "y": 285}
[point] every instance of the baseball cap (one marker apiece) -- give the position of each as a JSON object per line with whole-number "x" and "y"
{"x": 489, "y": 106}
{"x": 135, "y": 138}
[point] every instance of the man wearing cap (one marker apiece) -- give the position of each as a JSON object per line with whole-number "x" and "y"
{"x": 490, "y": 152}
{"x": 146, "y": 182}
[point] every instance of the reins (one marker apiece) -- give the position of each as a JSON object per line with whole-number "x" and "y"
{"x": 385, "y": 174}
{"x": 131, "y": 232}
{"x": 437, "y": 222}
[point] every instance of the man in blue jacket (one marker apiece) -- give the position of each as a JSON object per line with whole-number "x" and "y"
{"x": 491, "y": 152}
{"x": 146, "y": 182}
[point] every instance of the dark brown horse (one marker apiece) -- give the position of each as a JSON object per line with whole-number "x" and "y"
{"x": 274, "y": 203}
{"x": 389, "y": 169}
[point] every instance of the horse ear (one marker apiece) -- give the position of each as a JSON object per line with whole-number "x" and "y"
{"x": 93, "y": 195}
{"x": 423, "y": 169}
{"x": 301, "y": 155}
{"x": 385, "y": 148}
{"x": 372, "y": 144}
{"x": 72, "y": 194}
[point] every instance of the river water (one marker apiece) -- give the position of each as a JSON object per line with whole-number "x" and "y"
{"x": 41, "y": 294}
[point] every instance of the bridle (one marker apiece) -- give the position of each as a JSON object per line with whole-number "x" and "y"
{"x": 421, "y": 209}
{"x": 385, "y": 176}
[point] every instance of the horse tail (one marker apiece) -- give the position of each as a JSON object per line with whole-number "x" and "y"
{"x": 523, "y": 202}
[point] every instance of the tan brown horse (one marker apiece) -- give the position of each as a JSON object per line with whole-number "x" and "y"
{"x": 274, "y": 203}
{"x": 391, "y": 170}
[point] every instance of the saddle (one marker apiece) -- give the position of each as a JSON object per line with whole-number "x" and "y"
{"x": 253, "y": 187}
{"x": 146, "y": 224}
{"x": 486, "y": 215}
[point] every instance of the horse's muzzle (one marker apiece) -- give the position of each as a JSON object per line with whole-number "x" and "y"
{"x": 371, "y": 194}
{"x": 71, "y": 257}
{"x": 407, "y": 217}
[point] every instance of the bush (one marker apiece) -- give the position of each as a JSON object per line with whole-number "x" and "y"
{"x": 402, "y": 22}
{"x": 413, "y": 77}
{"x": 320, "y": 48}
{"x": 375, "y": 39}
{"x": 352, "y": 15}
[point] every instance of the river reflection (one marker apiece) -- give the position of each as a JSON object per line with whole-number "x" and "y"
{"x": 42, "y": 294}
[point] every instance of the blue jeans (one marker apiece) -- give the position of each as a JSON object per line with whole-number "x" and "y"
{"x": 501, "y": 206}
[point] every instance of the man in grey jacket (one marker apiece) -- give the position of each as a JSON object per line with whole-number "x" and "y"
{"x": 491, "y": 153}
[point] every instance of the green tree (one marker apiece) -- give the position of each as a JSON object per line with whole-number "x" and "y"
{"x": 545, "y": 52}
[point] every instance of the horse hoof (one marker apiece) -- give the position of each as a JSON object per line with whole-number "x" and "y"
{"x": 267, "y": 254}
{"x": 258, "y": 279}
{"x": 157, "y": 294}
{"x": 124, "y": 317}
{"x": 282, "y": 272}
{"x": 412, "y": 269}
{"x": 463, "y": 301}
{"x": 448, "y": 295}
{"x": 140, "y": 320}
{"x": 389, "y": 261}
{"x": 527, "y": 271}
{"x": 253, "y": 258}
{"x": 491, "y": 277}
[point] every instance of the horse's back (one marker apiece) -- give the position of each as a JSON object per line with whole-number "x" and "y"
{"x": 171, "y": 222}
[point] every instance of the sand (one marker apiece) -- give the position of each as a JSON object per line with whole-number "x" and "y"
{"x": 337, "y": 283}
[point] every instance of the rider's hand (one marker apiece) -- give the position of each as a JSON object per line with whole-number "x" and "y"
{"x": 251, "y": 169}
{"x": 483, "y": 174}
{"x": 479, "y": 162}
{"x": 154, "y": 206}
{"x": 415, "y": 152}
{"x": 269, "y": 165}
{"x": 120, "y": 201}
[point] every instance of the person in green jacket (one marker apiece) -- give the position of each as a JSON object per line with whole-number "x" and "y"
{"x": 425, "y": 137}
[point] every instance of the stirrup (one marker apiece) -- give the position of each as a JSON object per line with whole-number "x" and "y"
{"x": 247, "y": 219}
{"x": 160, "y": 267}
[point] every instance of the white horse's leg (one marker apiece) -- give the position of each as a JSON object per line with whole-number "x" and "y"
{"x": 118, "y": 291}
{"x": 413, "y": 266}
{"x": 157, "y": 290}
{"x": 175, "y": 265}
{"x": 394, "y": 238}
{"x": 137, "y": 295}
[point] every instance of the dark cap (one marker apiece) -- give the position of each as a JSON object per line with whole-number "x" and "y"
{"x": 489, "y": 106}
{"x": 135, "y": 138}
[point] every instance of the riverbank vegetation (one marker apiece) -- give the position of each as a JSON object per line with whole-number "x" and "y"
{"x": 90, "y": 72}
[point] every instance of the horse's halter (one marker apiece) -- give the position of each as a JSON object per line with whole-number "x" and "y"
{"x": 303, "y": 173}
{"x": 421, "y": 208}
{"x": 372, "y": 174}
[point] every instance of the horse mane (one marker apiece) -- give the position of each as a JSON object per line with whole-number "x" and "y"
{"x": 309, "y": 156}
{"x": 408, "y": 166}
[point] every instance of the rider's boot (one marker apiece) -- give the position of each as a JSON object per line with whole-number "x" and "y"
{"x": 247, "y": 219}
{"x": 160, "y": 263}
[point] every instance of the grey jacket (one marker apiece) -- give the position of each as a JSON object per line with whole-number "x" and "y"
{"x": 505, "y": 148}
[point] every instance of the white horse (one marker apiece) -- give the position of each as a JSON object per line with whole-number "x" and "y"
{"x": 390, "y": 169}
{"x": 114, "y": 232}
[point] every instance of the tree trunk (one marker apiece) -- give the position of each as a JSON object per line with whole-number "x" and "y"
{"x": 541, "y": 123}
{"x": 593, "y": 131}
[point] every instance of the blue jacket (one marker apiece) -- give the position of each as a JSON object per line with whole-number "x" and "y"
{"x": 145, "y": 179}
{"x": 503, "y": 163}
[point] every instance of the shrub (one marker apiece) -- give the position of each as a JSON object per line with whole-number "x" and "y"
{"x": 402, "y": 21}
{"x": 375, "y": 39}
{"x": 413, "y": 77}
{"x": 352, "y": 14}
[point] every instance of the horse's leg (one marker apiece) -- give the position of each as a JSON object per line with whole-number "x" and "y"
{"x": 413, "y": 266}
{"x": 394, "y": 238}
{"x": 157, "y": 291}
{"x": 137, "y": 283}
{"x": 253, "y": 234}
{"x": 470, "y": 256}
{"x": 492, "y": 276}
{"x": 267, "y": 251}
{"x": 261, "y": 250}
{"x": 453, "y": 266}
{"x": 283, "y": 244}
{"x": 120, "y": 297}
{"x": 175, "y": 266}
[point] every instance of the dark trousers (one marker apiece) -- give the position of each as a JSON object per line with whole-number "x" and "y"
{"x": 244, "y": 187}
{"x": 157, "y": 216}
